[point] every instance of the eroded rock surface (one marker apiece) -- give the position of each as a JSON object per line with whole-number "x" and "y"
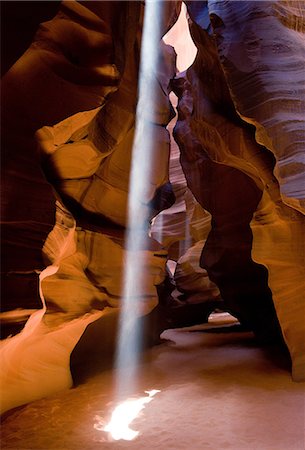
{"x": 85, "y": 136}
{"x": 261, "y": 47}
{"x": 231, "y": 175}
{"x": 76, "y": 87}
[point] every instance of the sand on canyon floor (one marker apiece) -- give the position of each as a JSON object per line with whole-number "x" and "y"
{"x": 217, "y": 391}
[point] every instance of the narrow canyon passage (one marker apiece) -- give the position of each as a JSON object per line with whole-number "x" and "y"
{"x": 223, "y": 215}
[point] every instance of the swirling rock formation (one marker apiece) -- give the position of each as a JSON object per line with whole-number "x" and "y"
{"x": 261, "y": 47}
{"x": 84, "y": 131}
{"x": 193, "y": 280}
{"x": 42, "y": 89}
{"x": 231, "y": 175}
{"x": 85, "y": 155}
{"x": 76, "y": 90}
{"x": 182, "y": 230}
{"x": 184, "y": 222}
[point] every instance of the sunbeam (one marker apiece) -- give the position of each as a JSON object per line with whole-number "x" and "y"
{"x": 141, "y": 190}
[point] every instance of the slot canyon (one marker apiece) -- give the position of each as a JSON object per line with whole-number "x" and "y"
{"x": 164, "y": 140}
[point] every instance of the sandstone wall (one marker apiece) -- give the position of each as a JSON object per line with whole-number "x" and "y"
{"x": 255, "y": 251}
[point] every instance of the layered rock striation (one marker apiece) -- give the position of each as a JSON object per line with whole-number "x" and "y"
{"x": 256, "y": 246}
{"x": 72, "y": 97}
{"x": 84, "y": 131}
{"x": 261, "y": 47}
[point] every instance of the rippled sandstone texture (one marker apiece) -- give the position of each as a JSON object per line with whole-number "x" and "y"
{"x": 261, "y": 47}
{"x": 255, "y": 251}
{"x": 78, "y": 94}
{"x": 85, "y": 59}
{"x": 182, "y": 230}
{"x": 33, "y": 97}
{"x": 81, "y": 71}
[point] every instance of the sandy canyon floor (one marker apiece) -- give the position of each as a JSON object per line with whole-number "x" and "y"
{"x": 217, "y": 391}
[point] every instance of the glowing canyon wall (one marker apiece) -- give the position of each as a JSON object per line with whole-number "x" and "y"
{"x": 236, "y": 209}
{"x": 255, "y": 188}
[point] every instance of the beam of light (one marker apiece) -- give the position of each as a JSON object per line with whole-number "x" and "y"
{"x": 187, "y": 242}
{"x": 123, "y": 415}
{"x": 141, "y": 192}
